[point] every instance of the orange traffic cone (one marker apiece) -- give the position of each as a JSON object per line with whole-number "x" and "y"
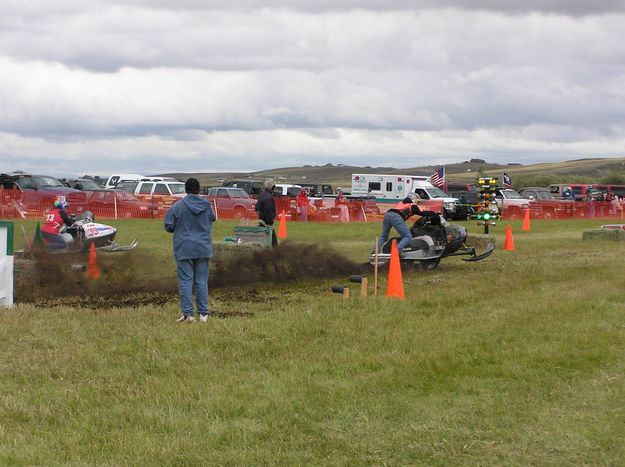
{"x": 282, "y": 226}
{"x": 526, "y": 221}
{"x": 395, "y": 287}
{"x": 92, "y": 269}
{"x": 509, "y": 245}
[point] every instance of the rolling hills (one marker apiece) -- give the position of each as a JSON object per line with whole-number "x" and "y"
{"x": 592, "y": 170}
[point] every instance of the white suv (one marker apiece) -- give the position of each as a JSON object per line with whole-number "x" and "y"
{"x": 172, "y": 188}
{"x": 152, "y": 187}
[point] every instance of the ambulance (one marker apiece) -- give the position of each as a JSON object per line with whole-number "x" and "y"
{"x": 389, "y": 189}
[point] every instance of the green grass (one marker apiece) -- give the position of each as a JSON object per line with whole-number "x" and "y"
{"x": 518, "y": 359}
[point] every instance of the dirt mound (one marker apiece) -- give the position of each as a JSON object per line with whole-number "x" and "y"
{"x": 289, "y": 262}
{"x": 137, "y": 278}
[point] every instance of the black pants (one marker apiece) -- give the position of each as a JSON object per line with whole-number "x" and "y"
{"x": 274, "y": 238}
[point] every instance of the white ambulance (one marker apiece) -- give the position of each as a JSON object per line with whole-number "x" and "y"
{"x": 394, "y": 188}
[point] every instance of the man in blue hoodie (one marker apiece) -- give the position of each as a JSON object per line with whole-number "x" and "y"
{"x": 191, "y": 220}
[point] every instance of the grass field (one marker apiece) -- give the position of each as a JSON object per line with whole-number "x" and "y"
{"x": 518, "y": 359}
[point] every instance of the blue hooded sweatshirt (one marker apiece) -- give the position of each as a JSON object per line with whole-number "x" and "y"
{"x": 191, "y": 220}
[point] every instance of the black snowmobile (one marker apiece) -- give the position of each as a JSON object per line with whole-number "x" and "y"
{"x": 433, "y": 239}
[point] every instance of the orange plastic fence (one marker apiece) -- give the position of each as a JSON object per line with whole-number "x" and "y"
{"x": 114, "y": 204}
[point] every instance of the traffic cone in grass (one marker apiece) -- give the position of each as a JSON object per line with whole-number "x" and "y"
{"x": 509, "y": 245}
{"x": 282, "y": 226}
{"x": 92, "y": 268}
{"x": 526, "y": 221}
{"x": 395, "y": 287}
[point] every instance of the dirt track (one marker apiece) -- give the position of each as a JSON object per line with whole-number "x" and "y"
{"x": 126, "y": 281}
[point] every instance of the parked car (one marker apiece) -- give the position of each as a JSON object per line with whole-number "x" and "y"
{"x": 318, "y": 189}
{"x": 550, "y": 206}
{"x": 120, "y": 204}
{"x": 116, "y": 179}
{"x": 163, "y": 193}
{"x": 427, "y": 192}
{"x": 252, "y": 187}
{"x": 232, "y": 202}
{"x": 285, "y": 189}
{"x": 582, "y": 190}
{"x": 35, "y": 194}
{"x": 512, "y": 205}
{"x": 467, "y": 200}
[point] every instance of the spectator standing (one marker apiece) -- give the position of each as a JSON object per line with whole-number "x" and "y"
{"x": 341, "y": 203}
{"x": 615, "y": 207}
{"x": 191, "y": 220}
{"x": 590, "y": 205}
{"x": 266, "y": 209}
{"x": 302, "y": 204}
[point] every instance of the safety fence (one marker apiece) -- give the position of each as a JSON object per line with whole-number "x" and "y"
{"x": 108, "y": 204}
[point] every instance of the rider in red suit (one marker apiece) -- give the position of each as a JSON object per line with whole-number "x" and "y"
{"x": 54, "y": 220}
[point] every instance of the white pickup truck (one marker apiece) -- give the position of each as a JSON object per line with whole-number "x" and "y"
{"x": 433, "y": 193}
{"x": 512, "y": 205}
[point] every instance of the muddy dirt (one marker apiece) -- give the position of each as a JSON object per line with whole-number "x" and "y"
{"x": 133, "y": 279}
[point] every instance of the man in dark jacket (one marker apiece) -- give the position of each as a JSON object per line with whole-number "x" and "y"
{"x": 266, "y": 209}
{"x": 190, "y": 220}
{"x": 396, "y": 217}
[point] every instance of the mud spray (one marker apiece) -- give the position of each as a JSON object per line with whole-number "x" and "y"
{"x": 138, "y": 278}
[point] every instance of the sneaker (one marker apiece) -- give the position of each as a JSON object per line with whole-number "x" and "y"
{"x": 204, "y": 318}
{"x": 185, "y": 318}
{"x": 402, "y": 254}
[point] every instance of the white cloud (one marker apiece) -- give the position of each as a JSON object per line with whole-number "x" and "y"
{"x": 245, "y": 84}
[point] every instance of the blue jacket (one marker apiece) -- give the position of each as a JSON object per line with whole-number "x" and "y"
{"x": 191, "y": 220}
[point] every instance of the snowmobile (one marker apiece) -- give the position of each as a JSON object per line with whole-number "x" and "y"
{"x": 81, "y": 234}
{"x": 433, "y": 238}
{"x": 84, "y": 231}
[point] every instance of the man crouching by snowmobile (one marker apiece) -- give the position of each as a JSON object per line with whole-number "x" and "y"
{"x": 397, "y": 217}
{"x": 54, "y": 221}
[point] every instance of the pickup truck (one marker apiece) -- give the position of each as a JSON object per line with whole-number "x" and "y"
{"x": 434, "y": 194}
{"x": 512, "y": 205}
{"x": 550, "y": 206}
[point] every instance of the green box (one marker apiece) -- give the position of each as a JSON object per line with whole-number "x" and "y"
{"x": 260, "y": 235}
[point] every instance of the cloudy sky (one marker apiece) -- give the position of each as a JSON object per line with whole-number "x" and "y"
{"x": 152, "y": 86}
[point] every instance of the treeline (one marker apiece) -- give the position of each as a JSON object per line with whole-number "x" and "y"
{"x": 612, "y": 178}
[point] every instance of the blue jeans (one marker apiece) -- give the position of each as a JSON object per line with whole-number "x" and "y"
{"x": 394, "y": 219}
{"x": 193, "y": 272}
{"x": 55, "y": 242}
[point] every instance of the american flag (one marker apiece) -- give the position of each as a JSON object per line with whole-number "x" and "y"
{"x": 438, "y": 177}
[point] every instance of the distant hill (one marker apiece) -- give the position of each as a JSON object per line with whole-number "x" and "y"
{"x": 582, "y": 170}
